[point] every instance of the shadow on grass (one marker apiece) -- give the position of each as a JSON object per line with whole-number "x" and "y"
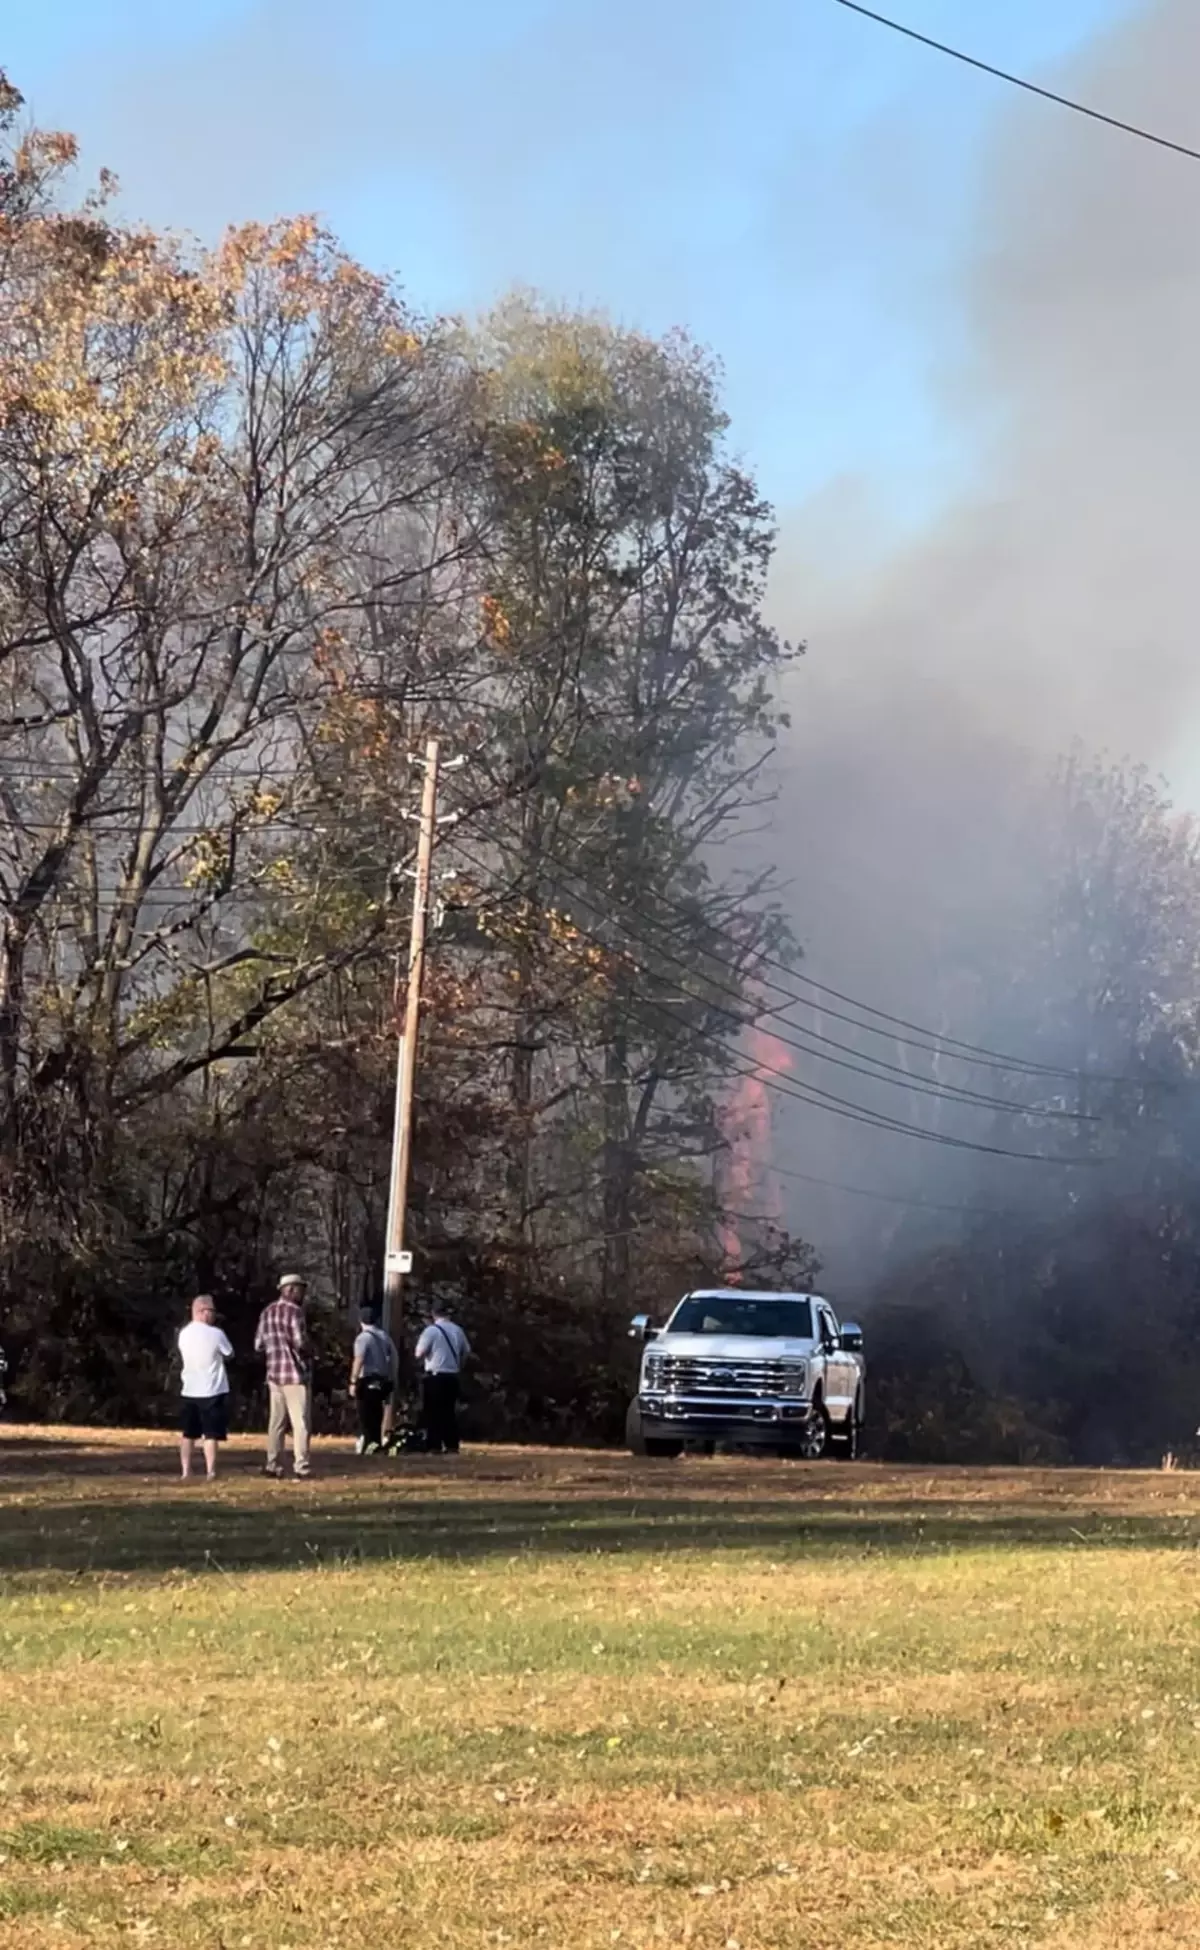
{"x": 190, "y": 1530}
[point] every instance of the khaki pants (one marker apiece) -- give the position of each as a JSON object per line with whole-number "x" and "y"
{"x": 290, "y": 1402}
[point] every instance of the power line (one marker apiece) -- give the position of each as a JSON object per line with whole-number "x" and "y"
{"x": 941, "y": 1045}
{"x": 120, "y": 773}
{"x": 892, "y": 1198}
{"x": 827, "y": 1100}
{"x": 120, "y": 823}
{"x": 220, "y": 829}
{"x": 936, "y": 1043}
{"x": 1019, "y": 81}
{"x": 975, "y": 1054}
{"x": 844, "y": 1107}
{"x": 986, "y": 1058}
{"x": 890, "y": 1074}
{"x": 1014, "y": 1066}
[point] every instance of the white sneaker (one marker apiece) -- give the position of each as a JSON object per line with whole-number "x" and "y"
{"x": 359, "y": 1446}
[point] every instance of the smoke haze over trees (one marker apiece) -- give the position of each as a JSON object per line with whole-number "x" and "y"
{"x": 1050, "y": 603}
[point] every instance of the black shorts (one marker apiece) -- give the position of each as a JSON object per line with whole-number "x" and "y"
{"x": 205, "y": 1418}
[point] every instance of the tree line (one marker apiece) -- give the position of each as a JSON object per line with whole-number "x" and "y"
{"x": 264, "y": 528}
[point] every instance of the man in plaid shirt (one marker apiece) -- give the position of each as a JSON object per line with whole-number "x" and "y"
{"x": 283, "y": 1337}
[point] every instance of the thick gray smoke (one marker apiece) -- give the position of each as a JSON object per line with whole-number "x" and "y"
{"x": 1055, "y": 604}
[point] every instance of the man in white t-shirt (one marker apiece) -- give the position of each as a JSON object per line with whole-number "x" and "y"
{"x": 203, "y": 1350}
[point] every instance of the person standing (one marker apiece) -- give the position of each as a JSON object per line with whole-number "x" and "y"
{"x": 374, "y": 1372}
{"x": 203, "y": 1352}
{"x": 444, "y": 1350}
{"x": 283, "y": 1337}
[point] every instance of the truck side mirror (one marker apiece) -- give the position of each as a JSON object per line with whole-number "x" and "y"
{"x": 641, "y": 1328}
{"x": 852, "y": 1337}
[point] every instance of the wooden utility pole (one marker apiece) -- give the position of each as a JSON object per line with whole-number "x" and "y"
{"x": 396, "y": 1261}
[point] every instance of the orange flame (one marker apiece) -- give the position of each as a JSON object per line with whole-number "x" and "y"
{"x": 750, "y": 1186}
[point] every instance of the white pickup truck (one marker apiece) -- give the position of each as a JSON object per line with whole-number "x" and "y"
{"x": 754, "y": 1370}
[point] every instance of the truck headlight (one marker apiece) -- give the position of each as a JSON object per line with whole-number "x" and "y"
{"x": 652, "y": 1372}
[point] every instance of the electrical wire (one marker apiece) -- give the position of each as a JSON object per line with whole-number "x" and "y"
{"x": 967, "y": 1052}
{"x": 978, "y": 1055}
{"x": 826, "y": 1100}
{"x": 890, "y": 1074}
{"x": 1019, "y": 81}
{"x": 990, "y": 1060}
{"x": 260, "y": 824}
{"x": 892, "y": 1198}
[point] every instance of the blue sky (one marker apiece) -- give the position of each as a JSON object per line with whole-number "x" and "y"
{"x": 789, "y": 181}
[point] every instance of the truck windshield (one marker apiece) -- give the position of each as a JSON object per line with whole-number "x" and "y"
{"x": 718, "y": 1313}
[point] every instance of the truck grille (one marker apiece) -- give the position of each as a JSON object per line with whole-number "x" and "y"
{"x": 753, "y": 1379}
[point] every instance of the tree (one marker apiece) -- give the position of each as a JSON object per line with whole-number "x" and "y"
{"x": 1077, "y": 1303}
{"x": 635, "y": 706}
{"x": 226, "y": 477}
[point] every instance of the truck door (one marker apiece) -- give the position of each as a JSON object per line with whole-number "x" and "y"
{"x": 837, "y": 1379}
{"x": 849, "y": 1368}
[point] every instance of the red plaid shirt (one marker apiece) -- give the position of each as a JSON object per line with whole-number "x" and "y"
{"x": 282, "y": 1338}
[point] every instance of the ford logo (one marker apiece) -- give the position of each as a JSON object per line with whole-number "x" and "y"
{"x": 723, "y": 1374}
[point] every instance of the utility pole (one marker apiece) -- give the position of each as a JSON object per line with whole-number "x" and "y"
{"x": 396, "y": 1261}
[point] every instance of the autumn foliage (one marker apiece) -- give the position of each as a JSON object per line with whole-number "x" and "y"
{"x": 262, "y": 529}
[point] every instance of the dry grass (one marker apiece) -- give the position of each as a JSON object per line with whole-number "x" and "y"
{"x": 573, "y": 1700}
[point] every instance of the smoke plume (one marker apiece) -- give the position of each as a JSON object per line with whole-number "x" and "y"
{"x": 1052, "y": 603}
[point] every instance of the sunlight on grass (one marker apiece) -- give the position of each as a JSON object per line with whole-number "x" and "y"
{"x": 580, "y": 1701}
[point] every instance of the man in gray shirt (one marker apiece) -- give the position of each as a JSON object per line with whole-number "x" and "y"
{"x": 374, "y": 1372}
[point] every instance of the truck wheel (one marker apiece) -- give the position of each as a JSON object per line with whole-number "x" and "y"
{"x": 641, "y": 1444}
{"x": 635, "y": 1441}
{"x": 815, "y": 1441}
{"x": 846, "y": 1439}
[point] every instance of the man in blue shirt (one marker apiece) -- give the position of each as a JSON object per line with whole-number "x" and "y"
{"x": 443, "y": 1350}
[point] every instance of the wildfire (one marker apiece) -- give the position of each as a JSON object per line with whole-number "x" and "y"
{"x": 750, "y": 1187}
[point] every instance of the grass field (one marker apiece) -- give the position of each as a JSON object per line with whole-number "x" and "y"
{"x": 569, "y": 1699}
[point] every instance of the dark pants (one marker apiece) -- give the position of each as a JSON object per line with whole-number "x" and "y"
{"x": 440, "y": 1402}
{"x": 205, "y": 1418}
{"x": 372, "y": 1395}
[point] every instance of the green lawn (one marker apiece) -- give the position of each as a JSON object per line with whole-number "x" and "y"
{"x": 572, "y": 1699}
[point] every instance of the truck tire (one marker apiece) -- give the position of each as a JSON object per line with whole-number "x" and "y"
{"x": 845, "y": 1439}
{"x": 635, "y": 1441}
{"x": 815, "y": 1441}
{"x": 640, "y": 1444}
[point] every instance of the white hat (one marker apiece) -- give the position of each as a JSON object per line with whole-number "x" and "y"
{"x": 292, "y": 1279}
